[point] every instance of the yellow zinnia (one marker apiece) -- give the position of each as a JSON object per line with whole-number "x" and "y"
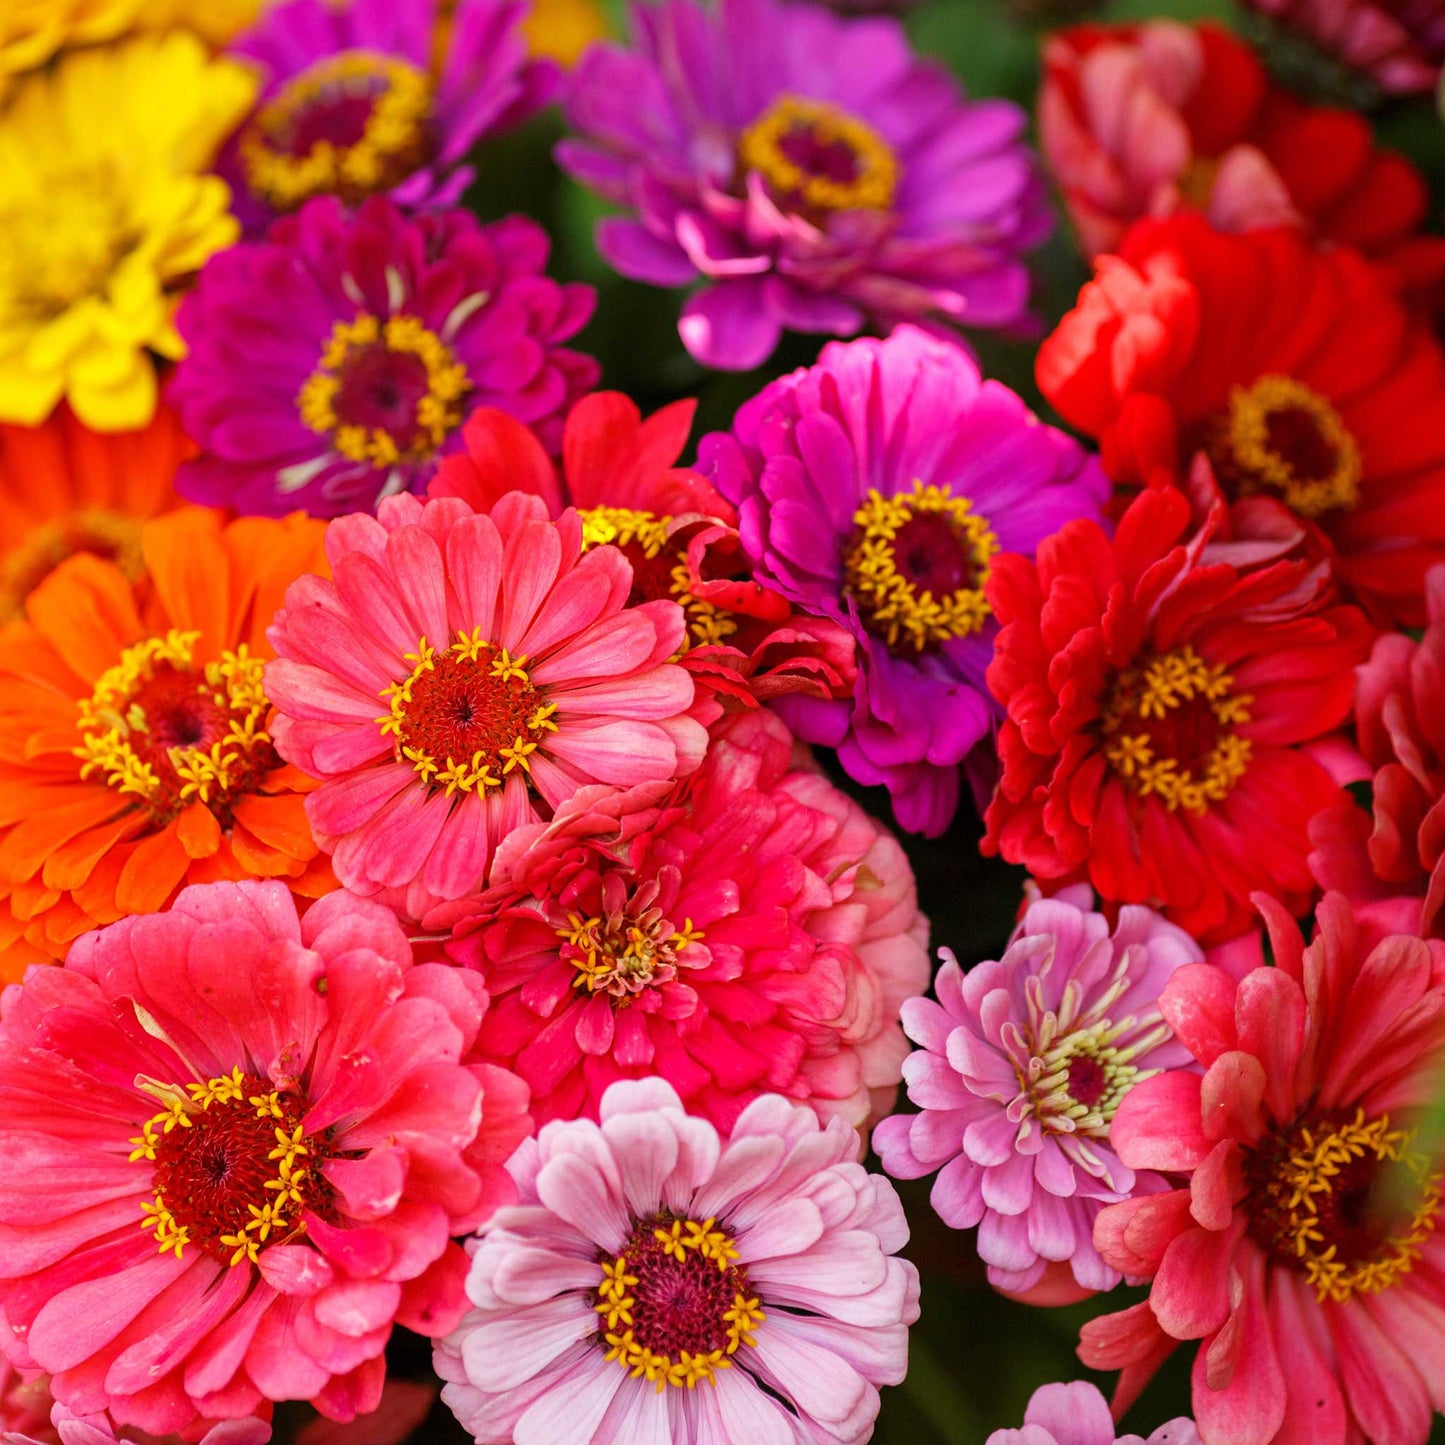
{"x": 106, "y": 214}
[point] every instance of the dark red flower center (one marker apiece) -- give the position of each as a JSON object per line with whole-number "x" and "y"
{"x": 818, "y": 157}
{"x": 1088, "y": 1080}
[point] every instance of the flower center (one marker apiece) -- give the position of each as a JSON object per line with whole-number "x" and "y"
{"x": 170, "y": 734}
{"x": 819, "y": 157}
{"x": 659, "y": 568}
{"x": 674, "y": 1303}
{"x": 351, "y": 125}
{"x": 916, "y": 564}
{"x": 629, "y": 948}
{"x": 1280, "y": 435}
{"x": 385, "y": 392}
{"x": 1342, "y": 1200}
{"x": 110, "y": 535}
{"x": 232, "y": 1167}
{"x": 472, "y": 706}
{"x": 1169, "y": 729}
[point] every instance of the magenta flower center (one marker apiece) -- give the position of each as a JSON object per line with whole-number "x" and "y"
{"x": 674, "y": 1302}
{"x": 1169, "y": 730}
{"x": 232, "y": 1168}
{"x": 352, "y": 125}
{"x": 624, "y": 951}
{"x": 1344, "y": 1201}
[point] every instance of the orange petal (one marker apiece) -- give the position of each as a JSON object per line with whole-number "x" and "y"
{"x": 279, "y": 823}
{"x": 268, "y": 556}
{"x": 192, "y": 574}
{"x": 220, "y": 867}
{"x": 200, "y": 834}
{"x": 16, "y": 957}
{"x": 29, "y": 844}
{"x": 70, "y": 866}
{"x": 257, "y": 859}
{"x": 86, "y": 611}
{"x": 318, "y": 880}
{"x": 97, "y": 894}
{"x": 155, "y": 870}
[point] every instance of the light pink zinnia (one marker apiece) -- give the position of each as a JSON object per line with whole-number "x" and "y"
{"x": 1318, "y": 1299}
{"x": 236, "y": 1146}
{"x": 754, "y": 932}
{"x": 1077, "y": 1414}
{"x": 463, "y": 675}
{"x": 1023, "y": 1062}
{"x": 657, "y": 1283}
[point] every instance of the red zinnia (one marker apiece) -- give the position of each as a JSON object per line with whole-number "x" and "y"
{"x": 1159, "y": 712}
{"x": 1289, "y": 379}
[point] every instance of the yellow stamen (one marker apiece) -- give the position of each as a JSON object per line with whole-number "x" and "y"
{"x": 763, "y": 147}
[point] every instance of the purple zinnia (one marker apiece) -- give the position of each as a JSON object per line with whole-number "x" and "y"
{"x": 809, "y": 167}
{"x": 333, "y": 363}
{"x": 352, "y": 105}
{"x": 874, "y": 489}
{"x": 1021, "y": 1065}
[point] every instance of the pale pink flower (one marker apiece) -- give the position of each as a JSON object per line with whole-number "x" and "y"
{"x": 1077, "y": 1414}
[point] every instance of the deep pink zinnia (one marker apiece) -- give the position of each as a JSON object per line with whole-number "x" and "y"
{"x": 1304, "y": 1251}
{"x": 657, "y": 1283}
{"x": 462, "y": 675}
{"x": 236, "y": 1146}
{"x": 1077, "y": 1414}
{"x": 757, "y": 934}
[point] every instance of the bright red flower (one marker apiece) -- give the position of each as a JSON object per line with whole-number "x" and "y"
{"x": 1290, "y": 381}
{"x": 1160, "y": 712}
{"x": 1318, "y": 1298}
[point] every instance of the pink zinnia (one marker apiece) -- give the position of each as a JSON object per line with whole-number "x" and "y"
{"x": 236, "y": 1147}
{"x": 463, "y": 675}
{"x": 1022, "y": 1064}
{"x": 758, "y": 933}
{"x": 1318, "y": 1298}
{"x": 659, "y": 1283}
{"x": 1077, "y": 1414}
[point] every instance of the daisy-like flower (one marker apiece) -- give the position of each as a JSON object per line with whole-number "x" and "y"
{"x": 105, "y": 224}
{"x": 1287, "y": 380}
{"x": 247, "y": 1141}
{"x": 810, "y": 169}
{"x": 1160, "y": 717}
{"x": 335, "y": 361}
{"x": 1022, "y": 1064}
{"x": 1306, "y": 1248}
{"x": 876, "y": 490}
{"x": 134, "y": 751}
{"x": 353, "y": 105}
{"x": 1077, "y": 1414}
{"x": 562, "y": 30}
{"x": 463, "y": 675}
{"x": 66, "y": 489}
{"x": 681, "y": 1286}
{"x": 757, "y": 936}
{"x": 679, "y": 535}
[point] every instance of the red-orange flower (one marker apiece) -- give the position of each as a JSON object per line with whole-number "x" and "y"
{"x": 134, "y": 752}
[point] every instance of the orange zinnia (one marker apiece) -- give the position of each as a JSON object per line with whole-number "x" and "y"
{"x": 134, "y": 755}
{"x": 66, "y": 489}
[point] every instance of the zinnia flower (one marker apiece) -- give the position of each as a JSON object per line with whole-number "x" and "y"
{"x": 675, "y": 1286}
{"x": 134, "y": 751}
{"x": 238, "y": 1146}
{"x": 464, "y": 675}
{"x": 1160, "y": 712}
{"x": 1077, "y": 1414}
{"x": 105, "y": 223}
{"x": 876, "y": 489}
{"x": 334, "y": 362}
{"x": 1285, "y": 379}
{"x": 676, "y": 531}
{"x": 562, "y": 30}
{"x": 353, "y": 106}
{"x": 1305, "y": 1249}
{"x": 1022, "y": 1064}
{"x": 66, "y": 489}
{"x": 758, "y": 934}
{"x": 810, "y": 168}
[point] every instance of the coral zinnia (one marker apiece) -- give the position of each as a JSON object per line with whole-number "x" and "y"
{"x": 875, "y": 489}
{"x": 671, "y": 1285}
{"x": 676, "y": 531}
{"x": 1294, "y": 373}
{"x": 1023, "y": 1063}
{"x": 66, "y": 489}
{"x": 353, "y": 107}
{"x": 810, "y": 168}
{"x": 1305, "y": 1252}
{"x": 464, "y": 675}
{"x": 1159, "y": 712}
{"x": 104, "y": 224}
{"x": 757, "y": 935}
{"x": 237, "y": 1146}
{"x": 1077, "y": 1414}
{"x": 332, "y": 363}
{"x": 134, "y": 755}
